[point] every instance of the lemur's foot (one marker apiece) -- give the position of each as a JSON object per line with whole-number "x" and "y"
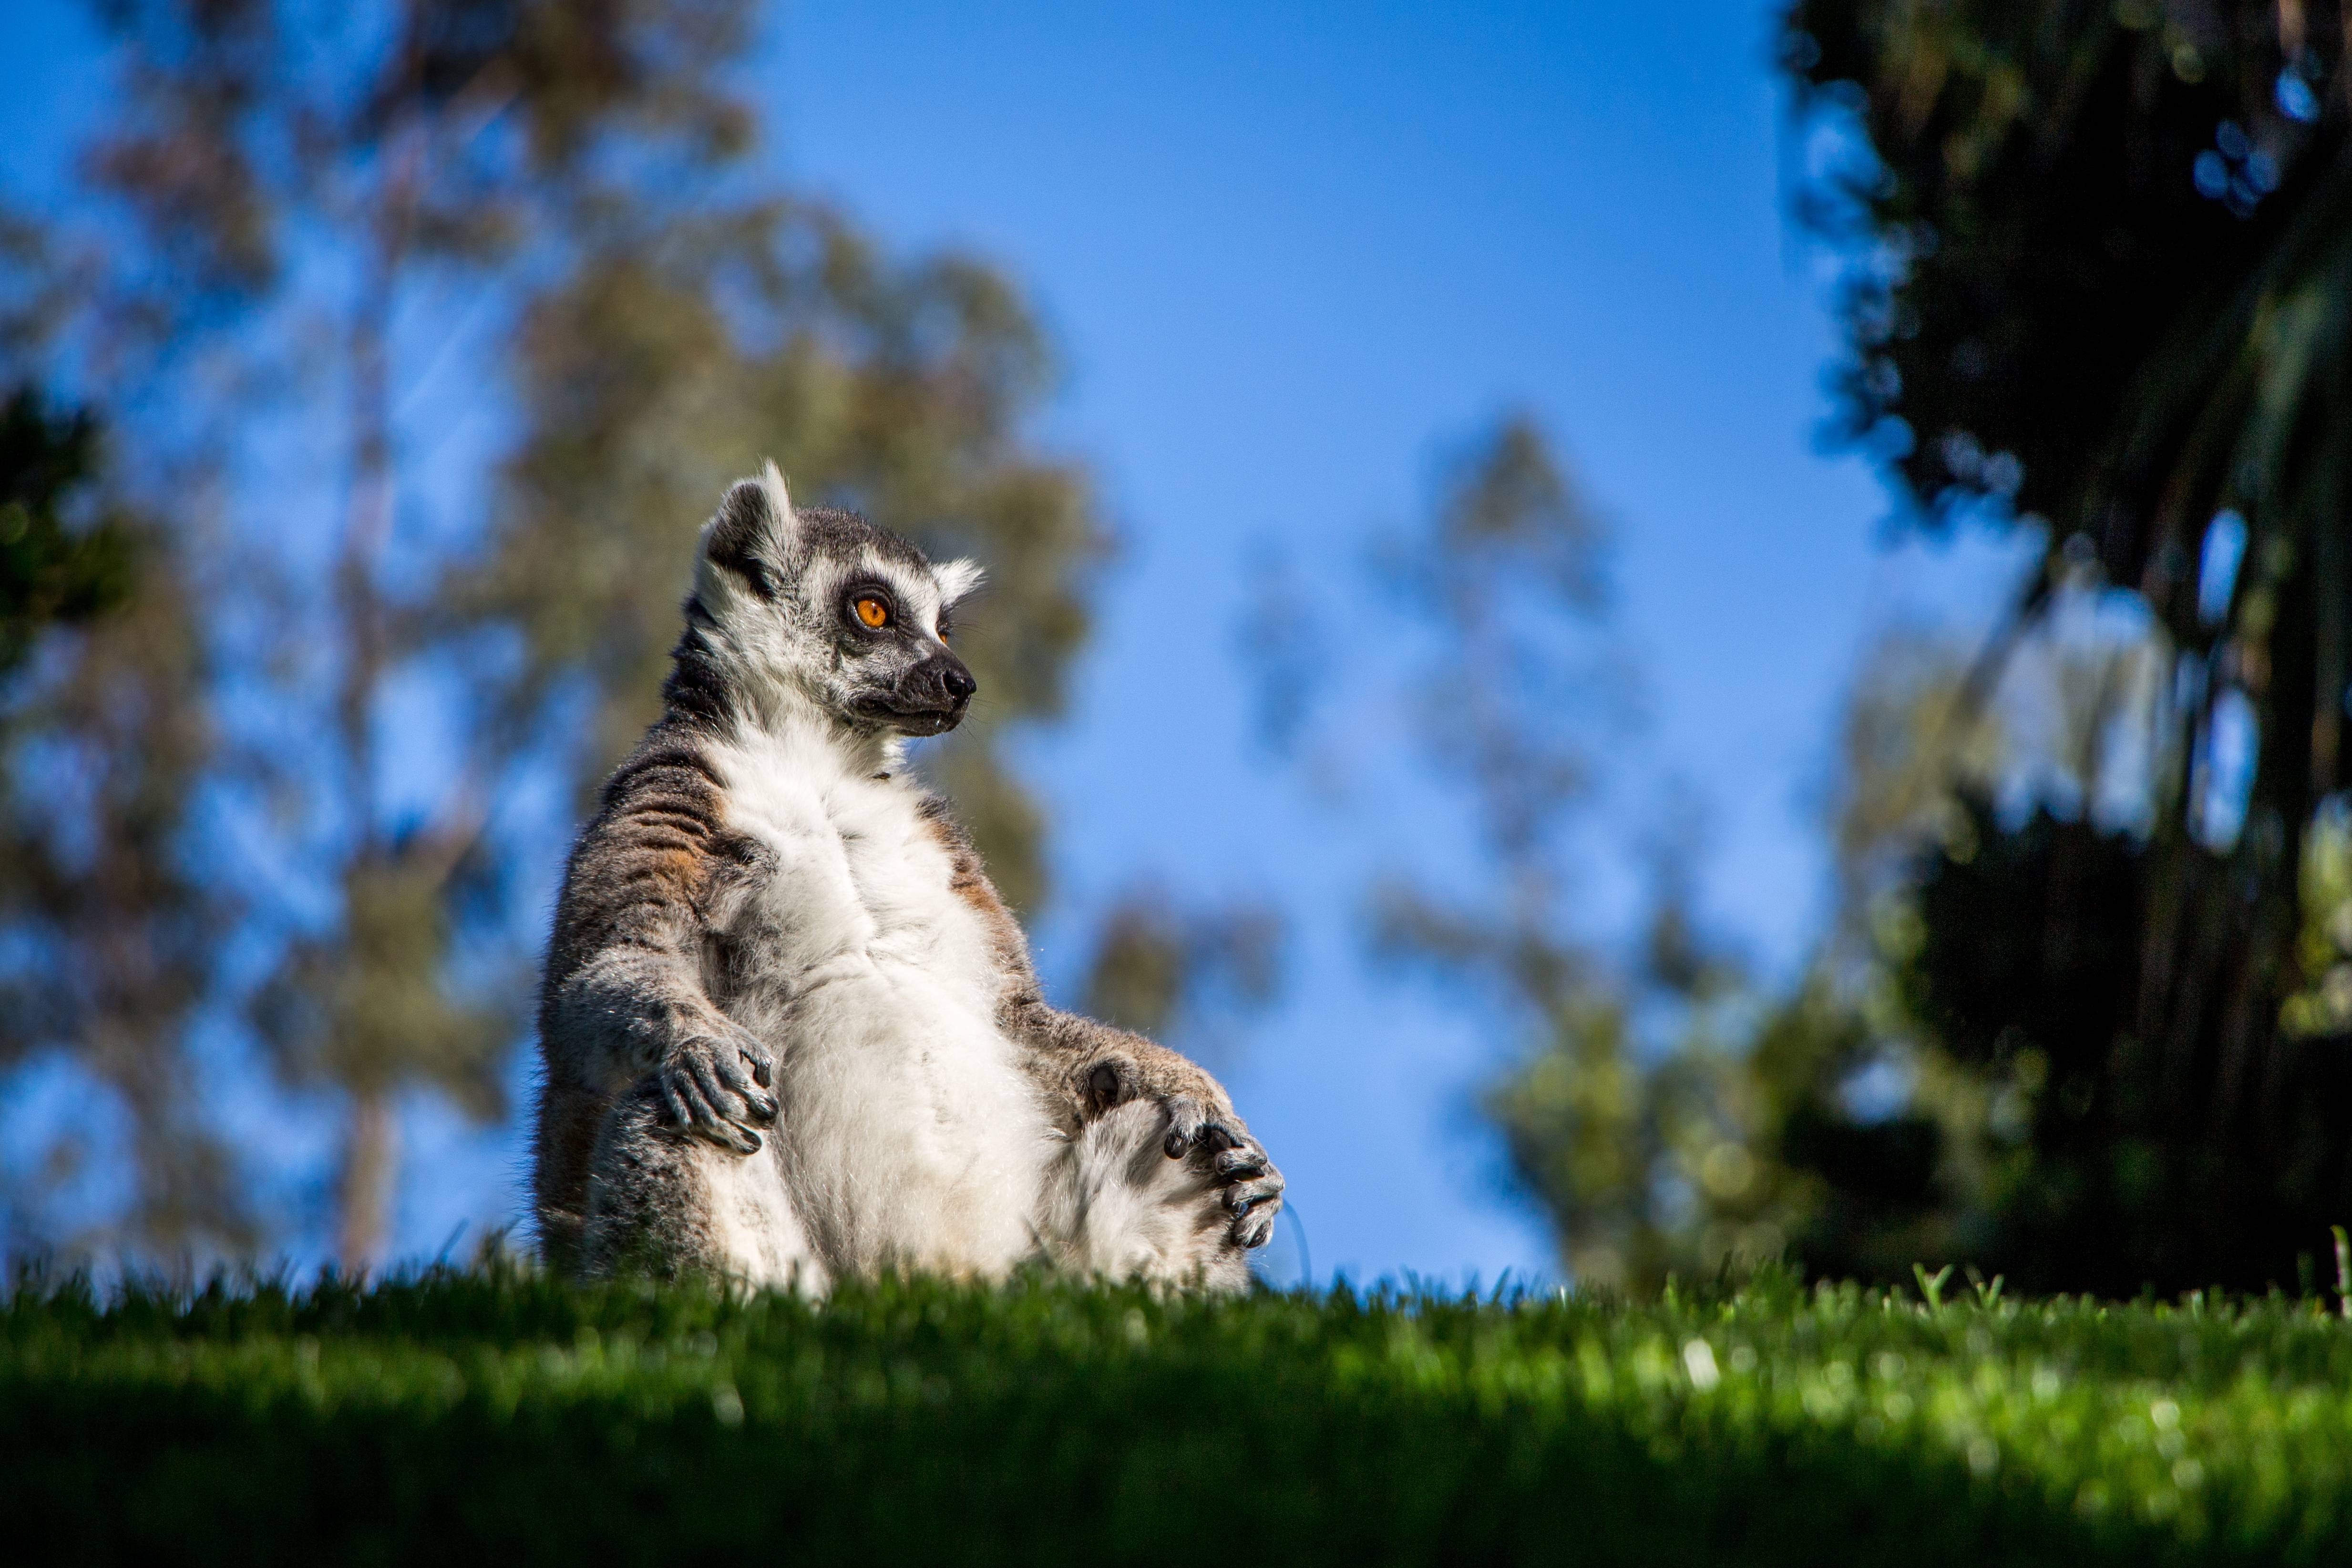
{"x": 1237, "y": 1162}
{"x": 715, "y": 1089}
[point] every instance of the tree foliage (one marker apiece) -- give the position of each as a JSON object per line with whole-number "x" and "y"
{"x": 1518, "y": 697}
{"x": 53, "y": 566}
{"x": 2100, "y": 256}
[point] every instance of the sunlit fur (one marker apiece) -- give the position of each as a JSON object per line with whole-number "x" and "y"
{"x": 789, "y": 1030}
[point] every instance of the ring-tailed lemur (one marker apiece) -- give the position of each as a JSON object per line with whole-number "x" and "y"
{"x": 769, "y": 928}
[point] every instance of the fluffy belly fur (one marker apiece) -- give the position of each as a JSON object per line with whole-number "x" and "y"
{"x": 909, "y": 1135}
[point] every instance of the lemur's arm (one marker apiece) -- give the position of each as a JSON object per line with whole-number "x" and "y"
{"x": 625, "y": 999}
{"x": 1083, "y": 1068}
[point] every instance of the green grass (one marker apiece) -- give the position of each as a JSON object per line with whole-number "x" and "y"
{"x": 467, "y": 1415}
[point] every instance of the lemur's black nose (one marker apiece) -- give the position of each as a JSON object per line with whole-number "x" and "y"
{"x": 959, "y": 683}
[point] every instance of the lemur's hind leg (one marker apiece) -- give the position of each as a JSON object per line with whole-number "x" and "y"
{"x": 1126, "y": 1208}
{"x": 664, "y": 1203}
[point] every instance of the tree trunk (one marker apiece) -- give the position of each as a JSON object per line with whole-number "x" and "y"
{"x": 369, "y": 1161}
{"x": 371, "y": 1166}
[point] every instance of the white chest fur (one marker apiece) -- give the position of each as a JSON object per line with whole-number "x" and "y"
{"x": 908, "y": 1133}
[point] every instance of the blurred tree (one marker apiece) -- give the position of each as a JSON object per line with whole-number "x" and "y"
{"x": 1637, "y": 1115}
{"x": 1611, "y": 1131}
{"x": 322, "y": 225}
{"x": 1673, "y": 1113}
{"x": 1182, "y": 972}
{"x": 2100, "y": 261}
{"x": 1668, "y": 1110}
{"x": 1666, "y": 1113}
{"x": 107, "y": 945}
{"x": 50, "y": 569}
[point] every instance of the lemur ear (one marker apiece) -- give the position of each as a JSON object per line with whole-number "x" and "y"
{"x": 956, "y": 579}
{"x": 782, "y": 519}
{"x": 754, "y": 519}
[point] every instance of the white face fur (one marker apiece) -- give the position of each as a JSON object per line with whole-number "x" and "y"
{"x": 822, "y": 606}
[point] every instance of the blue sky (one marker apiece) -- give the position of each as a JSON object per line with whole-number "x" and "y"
{"x": 1290, "y": 254}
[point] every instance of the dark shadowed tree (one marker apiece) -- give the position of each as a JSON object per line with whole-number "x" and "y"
{"x": 53, "y": 567}
{"x": 2101, "y": 280}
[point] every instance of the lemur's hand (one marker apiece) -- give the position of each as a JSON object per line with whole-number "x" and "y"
{"x": 713, "y": 1086}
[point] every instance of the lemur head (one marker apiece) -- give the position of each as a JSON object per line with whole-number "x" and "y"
{"x": 823, "y": 604}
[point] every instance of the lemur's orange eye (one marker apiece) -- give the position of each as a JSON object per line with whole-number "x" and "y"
{"x": 873, "y": 613}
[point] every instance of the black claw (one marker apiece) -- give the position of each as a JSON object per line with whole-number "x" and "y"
{"x": 1185, "y": 1126}
{"x": 1247, "y": 1196}
{"x": 1240, "y": 1162}
{"x": 733, "y": 1139}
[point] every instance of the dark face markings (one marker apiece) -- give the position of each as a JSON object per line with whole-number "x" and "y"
{"x": 846, "y": 536}
{"x": 738, "y": 561}
{"x": 894, "y": 674}
{"x": 907, "y": 682}
{"x": 869, "y": 605}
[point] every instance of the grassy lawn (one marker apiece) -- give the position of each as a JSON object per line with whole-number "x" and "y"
{"x": 467, "y": 1414}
